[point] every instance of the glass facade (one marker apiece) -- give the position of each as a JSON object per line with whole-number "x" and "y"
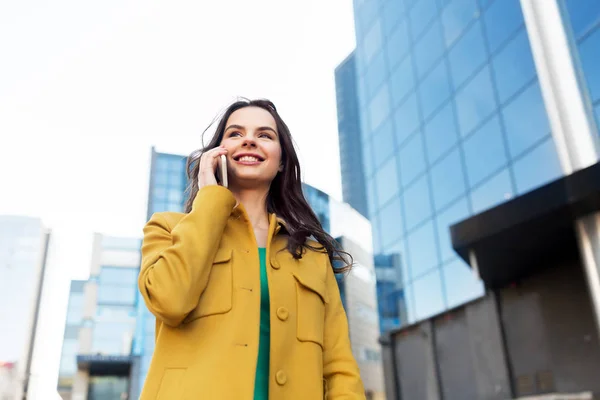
{"x": 68, "y": 358}
{"x": 452, "y": 123}
{"x": 353, "y": 180}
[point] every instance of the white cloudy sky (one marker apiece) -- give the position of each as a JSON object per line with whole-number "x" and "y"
{"x": 86, "y": 88}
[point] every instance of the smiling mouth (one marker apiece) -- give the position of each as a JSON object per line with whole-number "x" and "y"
{"x": 248, "y": 159}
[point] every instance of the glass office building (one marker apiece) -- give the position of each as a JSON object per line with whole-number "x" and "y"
{"x": 452, "y": 123}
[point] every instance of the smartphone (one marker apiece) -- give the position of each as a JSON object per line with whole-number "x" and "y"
{"x": 222, "y": 170}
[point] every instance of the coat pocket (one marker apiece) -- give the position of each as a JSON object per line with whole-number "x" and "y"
{"x": 311, "y": 297}
{"x": 217, "y": 297}
{"x": 171, "y": 387}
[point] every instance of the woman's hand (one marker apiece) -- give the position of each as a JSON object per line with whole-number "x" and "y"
{"x": 208, "y": 166}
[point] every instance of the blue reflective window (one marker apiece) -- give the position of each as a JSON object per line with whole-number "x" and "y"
{"x": 453, "y": 214}
{"x": 417, "y": 203}
{"x": 161, "y": 178}
{"x": 495, "y": 191}
{"x": 598, "y": 115}
{"x": 440, "y": 133}
{"x": 412, "y": 159}
{"x": 377, "y": 242}
{"x": 525, "y": 120}
{"x": 461, "y": 283}
{"x": 372, "y": 202}
{"x": 406, "y": 119}
{"x": 367, "y": 157}
{"x": 589, "y": 51}
{"x": 160, "y": 192}
{"x": 387, "y": 181}
{"x": 447, "y": 180}
{"x": 399, "y": 248}
{"x": 429, "y": 48}
{"x": 379, "y": 108}
{"x": 421, "y": 15}
{"x": 434, "y": 90}
{"x": 372, "y": 43}
{"x": 402, "y": 81}
{"x": 467, "y": 55}
{"x": 513, "y": 66}
{"x": 410, "y": 304}
{"x": 485, "y": 152}
{"x": 456, "y": 16}
{"x": 116, "y": 294}
{"x": 390, "y": 221}
{"x": 383, "y": 142}
{"x": 175, "y": 196}
{"x": 475, "y": 102}
{"x": 429, "y": 298}
{"x": 422, "y": 248}
{"x": 376, "y": 74}
{"x": 583, "y": 14}
{"x": 391, "y": 15}
{"x": 501, "y": 20}
{"x": 117, "y": 276}
{"x": 397, "y": 45}
{"x": 537, "y": 167}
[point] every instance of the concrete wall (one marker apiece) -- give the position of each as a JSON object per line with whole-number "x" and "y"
{"x": 533, "y": 338}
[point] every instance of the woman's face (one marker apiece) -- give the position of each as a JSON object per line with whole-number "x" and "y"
{"x": 253, "y": 148}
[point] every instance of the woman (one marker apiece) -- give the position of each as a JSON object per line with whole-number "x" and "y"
{"x": 241, "y": 284}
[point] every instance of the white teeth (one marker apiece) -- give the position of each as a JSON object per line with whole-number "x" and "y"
{"x": 248, "y": 158}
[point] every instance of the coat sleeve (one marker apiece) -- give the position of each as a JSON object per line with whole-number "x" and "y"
{"x": 340, "y": 370}
{"x": 176, "y": 260}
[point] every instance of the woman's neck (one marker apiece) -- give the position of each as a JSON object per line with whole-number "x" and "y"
{"x": 255, "y": 204}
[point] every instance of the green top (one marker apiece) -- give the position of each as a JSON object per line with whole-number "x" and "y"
{"x": 261, "y": 384}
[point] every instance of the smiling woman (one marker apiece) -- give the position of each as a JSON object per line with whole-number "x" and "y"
{"x": 242, "y": 284}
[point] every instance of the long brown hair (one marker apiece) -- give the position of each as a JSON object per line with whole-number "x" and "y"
{"x": 285, "y": 197}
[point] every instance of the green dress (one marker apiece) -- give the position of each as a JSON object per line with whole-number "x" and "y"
{"x": 261, "y": 384}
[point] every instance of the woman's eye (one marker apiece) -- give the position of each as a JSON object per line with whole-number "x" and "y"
{"x": 232, "y": 134}
{"x": 265, "y": 135}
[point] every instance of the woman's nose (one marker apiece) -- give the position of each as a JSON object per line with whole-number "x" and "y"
{"x": 249, "y": 142}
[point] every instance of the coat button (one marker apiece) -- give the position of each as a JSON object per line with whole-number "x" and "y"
{"x": 282, "y": 313}
{"x": 281, "y": 377}
{"x": 275, "y": 264}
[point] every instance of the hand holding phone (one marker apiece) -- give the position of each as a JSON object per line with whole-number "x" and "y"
{"x": 212, "y": 168}
{"x": 222, "y": 168}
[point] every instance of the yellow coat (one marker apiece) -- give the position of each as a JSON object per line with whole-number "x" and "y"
{"x": 200, "y": 278}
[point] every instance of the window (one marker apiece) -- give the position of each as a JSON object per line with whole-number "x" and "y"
{"x": 397, "y": 45}
{"x": 117, "y": 285}
{"x": 412, "y": 159}
{"x": 383, "y": 143}
{"x": 467, "y": 55}
{"x": 493, "y": 192}
{"x": 456, "y": 17}
{"x": 475, "y": 102}
{"x": 583, "y": 15}
{"x": 417, "y": 203}
{"x": 484, "y": 152}
{"x": 447, "y": 180}
{"x": 390, "y": 220}
{"x": 402, "y": 81}
{"x": 429, "y": 297}
{"x": 440, "y": 133}
{"x": 434, "y": 90}
{"x": 461, "y": 283}
{"x": 501, "y": 20}
{"x": 387, "y": 181}
{"x": 513, "y": 66}
{"x": 392, "y": 15}
{"x": 376, "y": 74}
{"x": 589, "y": 51}
{"x": 525, "y": 120}
{"x": 453, "y": 214}
{"x": 429, "y": 48}
{"x": 406, "y": 119}
{"x": 372, "y": 43}
{"x": 423, "y": 251}
{"x": 529, "y": 175}
{"x": 421, "y": 15}
{"x": 379, "y": 107}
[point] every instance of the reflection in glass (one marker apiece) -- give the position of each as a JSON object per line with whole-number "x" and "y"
{"x": 467, "y": 55}
{"x": 379, "y": 107}
{"x": 402, "y": 80}
{"x": 417, "y": 203}
{"x": 406, "y": 119}
{"x": 589, "y": 53}
{"x": 513, "y": 66}
{"x": 390, "y": 218}
{"x": 455, "y": 18}
{"x": 412, "y": 159}
{"x": 391, "y": 15}
{"x": 372, "y": 43}
{"x": 493, "y": 192}
{"x": 475, "y": 102}
{"x": 376, "y": 74}
{"x": 387, "y": 181}
{"x": 484, "y": 151}
{"x": 397, "y": 45}
{"x": 383, "y": 143}
{"x": 447, "y": 180}
{"x": 429, "y": 298}
{"x": 421, "y": 15}
{"x": 440, "y": 133}
{"x": 583, "y": 15}
{"x": 461, "y": 283}
{"x": 525, "y": 120}
{"x": 537, "y": 167}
